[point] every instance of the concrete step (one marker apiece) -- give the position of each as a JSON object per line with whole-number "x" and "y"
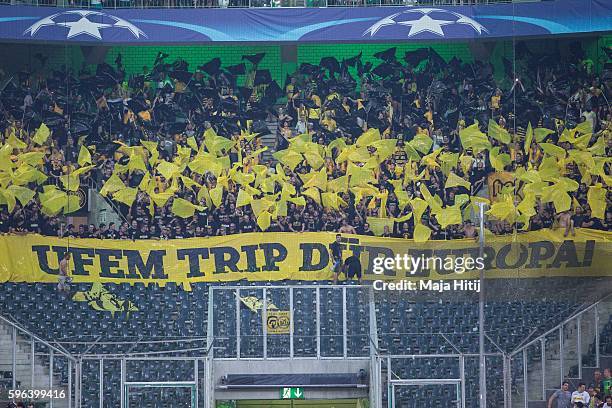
{"x": 23, "y": 368}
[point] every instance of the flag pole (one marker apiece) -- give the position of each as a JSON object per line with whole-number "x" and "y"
{"x": 481, "y": 315}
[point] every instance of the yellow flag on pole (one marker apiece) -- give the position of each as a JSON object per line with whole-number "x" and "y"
{"x": 41, "y": 135}
{"x": 183, "y": 208}
{"x": 84, "y": 156}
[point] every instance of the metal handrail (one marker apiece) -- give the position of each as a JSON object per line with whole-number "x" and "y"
{"x": 28, "y": 333}
{"x": 520, "y": 348}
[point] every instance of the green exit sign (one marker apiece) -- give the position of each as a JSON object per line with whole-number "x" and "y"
{"x": 292, "y": 393}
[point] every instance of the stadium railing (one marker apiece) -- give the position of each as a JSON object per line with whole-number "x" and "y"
{"x": 570, "y": 351}
{"x": 118, "y": 4}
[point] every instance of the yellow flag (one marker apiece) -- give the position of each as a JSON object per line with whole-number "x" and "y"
{"x": 288, "y": 158}
{"x": 499, "y": 161}
{"x": 23, "y": 194}
{"x": 411, "y": 152}
{"x": 191, "y": 142}
{"x": 15, "y": 142}
{"x": 584, "y": 127}
{"x": 264, "y": 220}
{"x": 183, "y": 208}
{"x": 369, "y": 136}
{"x": 217, "y": 144}
{"x": 113, "y": 184}
{"x": 299, "y": 201}
{"x": 418, "y": 208}
{"x": 377, "y": 225}
{"x": 421, "y": 142}
{"x": 126, "y": 195}
{"x": 136, "y": 163}
{"x": 548, "y": 169}
{"x": 431, "y": 160}
{"x": 160, "y": 199}
{"x": 25, "y": 174}
{"x": 216, "y": 195}
{"x": 403, "y": 199}
{"x": 448, "y": 161}
{"x": 359, "y": 176}
{"x": 166, "y": 169}
{"x": 553, "y": 150}
{"x": 314, "y": 193}
{"x": 70, "y": 182}
{"x": 527, "y": 205}
{"x": 503, "y": 209}
{"x": 144, "y": 183}
{"x": 314, "y": 159}
{"x": 498, "y": 133}
{"x": 316, "y": 179}
{"x": 472, "y": 137}
{"x": 454, "y": 180}
{"x": 541, "y": 133}
{"x": 8, "y": 198}
{"x": 599, "y": 147}
{"x": 41, "y": 135}
{"x": 52, "y": 200}
{"x": 243, "y": 198}
{"x": 204, "y": 162}
{"x": 449, "y": 216}
{"x": 421, "y": 232}
{"x": 403, "y": 218}
{"x": 84, "y": 156}
{"x": 338, "y": 185}
{"x": 528, "y": 138}
{"x": 596, "y": 197}
{"x": 338, "y": 144}
{"x": 31, "y": 158}
{"x": 384, "y": 148}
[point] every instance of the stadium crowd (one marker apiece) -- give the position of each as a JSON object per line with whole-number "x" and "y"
{"x": 401, "y": 148}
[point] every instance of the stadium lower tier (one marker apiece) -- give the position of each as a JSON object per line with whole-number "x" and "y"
{"x": 177, "y": 322}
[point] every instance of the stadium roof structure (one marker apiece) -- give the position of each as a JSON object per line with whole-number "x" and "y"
{"x": 303, "y": 25}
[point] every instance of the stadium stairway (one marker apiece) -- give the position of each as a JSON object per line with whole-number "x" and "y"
{"x": 269, "y": 139}
{"x": 534, "y": 373}
{"x": 23, "y": 372}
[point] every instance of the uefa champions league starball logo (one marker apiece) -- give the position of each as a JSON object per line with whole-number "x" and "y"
{"x": 425, "y": 20}
{"x": 84, "y": 22}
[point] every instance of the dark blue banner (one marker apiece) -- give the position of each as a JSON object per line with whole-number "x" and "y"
{"x": 134, "y": 26}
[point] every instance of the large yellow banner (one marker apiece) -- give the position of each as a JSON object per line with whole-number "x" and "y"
{"x": 297, "y": 256}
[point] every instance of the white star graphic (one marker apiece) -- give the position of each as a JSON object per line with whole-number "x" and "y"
{"x": 137, "y": 32}
{"x": 47, "y": 21}
{"x": 426, "y": 23}
{"x": 383, "y": 22}
{"x": 84, "y": 26}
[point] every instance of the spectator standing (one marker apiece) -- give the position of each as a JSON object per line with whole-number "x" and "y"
{"x": 580, "y": 397}
{"x": 561, "y": 398}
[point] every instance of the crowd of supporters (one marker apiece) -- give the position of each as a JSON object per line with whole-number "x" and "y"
{"x": 420, "y": 97}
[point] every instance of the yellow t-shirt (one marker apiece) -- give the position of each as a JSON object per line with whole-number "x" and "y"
{"x": 495, "y": 99}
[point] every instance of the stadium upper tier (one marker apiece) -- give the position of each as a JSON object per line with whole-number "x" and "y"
{"x": 405, "y": 148}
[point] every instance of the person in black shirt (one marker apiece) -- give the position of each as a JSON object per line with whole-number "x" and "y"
{"x": 111, "y": 232}
{"x": 366, "y": 230}
{"x": 4, "y": 223}
{"x": 143, "y": 233}
{"x": 246, "y": 224}
{"x": 352, "y": 268}
{"x": 69, "y": 232}
{"x": 336, "y": 253}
